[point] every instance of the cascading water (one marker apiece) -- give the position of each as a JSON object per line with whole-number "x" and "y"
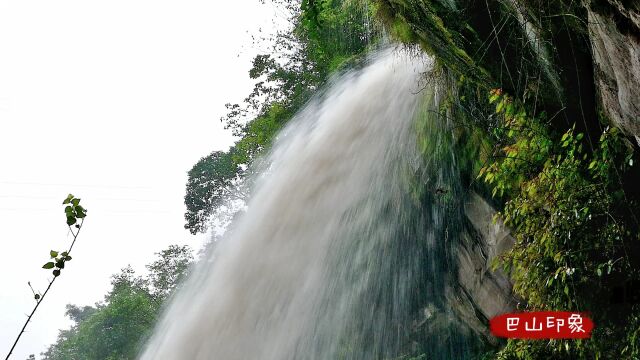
{"x": 341, "y": 253}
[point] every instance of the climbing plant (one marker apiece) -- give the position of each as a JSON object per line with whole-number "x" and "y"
{"x": 576, "y": 229}
{"x": 75, "y": 215}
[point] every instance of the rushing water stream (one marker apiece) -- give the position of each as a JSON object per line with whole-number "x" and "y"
{"x": 335, "y": 254}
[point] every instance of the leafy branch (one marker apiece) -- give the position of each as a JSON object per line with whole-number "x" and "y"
{"x": 75, "y": 214}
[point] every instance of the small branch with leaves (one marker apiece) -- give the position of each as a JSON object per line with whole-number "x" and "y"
{"x": 75, "y": 214}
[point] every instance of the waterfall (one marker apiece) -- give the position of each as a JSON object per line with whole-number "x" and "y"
{"x": 341, "y": 253}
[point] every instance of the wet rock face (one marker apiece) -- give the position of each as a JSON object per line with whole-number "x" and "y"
{"x": 492, "y": 240}
{"x": 479, "y": 293}
{"x": 588, "y": 73}
{"x": 614, "y": 31}
{"x": 484, "y": 293}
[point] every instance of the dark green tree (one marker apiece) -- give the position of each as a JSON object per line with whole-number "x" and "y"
{"x": 210, "y": 182}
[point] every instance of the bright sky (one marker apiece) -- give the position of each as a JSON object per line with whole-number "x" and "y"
{"x": 112, "y": 101}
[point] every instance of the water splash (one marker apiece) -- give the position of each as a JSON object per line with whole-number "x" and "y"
{"x": 335, "y": 254}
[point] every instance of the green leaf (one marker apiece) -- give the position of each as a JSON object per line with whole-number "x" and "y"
{"x": 67, "y": 258}
{"x": 75, "y": 202}
{"x": 80, "y": 212}
{"x": 64, "y": 253}
{"x": 56, "y": 272}
{"x": 71, "y": 220}
{"x": 53, "y": 254}
{"x": 509, "y": 109}
{"x": 48, "y": 265}
{"x": 67, "y": 200}
{"x": 60, "y": 264}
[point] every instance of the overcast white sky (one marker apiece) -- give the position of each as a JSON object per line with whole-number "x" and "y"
{"x": 113, "y": 101}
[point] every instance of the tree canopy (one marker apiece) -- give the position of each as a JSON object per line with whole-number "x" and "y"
{"x": 323, "y": 37}
{"x": 117, "y": 327}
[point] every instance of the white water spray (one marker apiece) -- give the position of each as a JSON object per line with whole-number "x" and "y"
{"x": 313, "y": 269}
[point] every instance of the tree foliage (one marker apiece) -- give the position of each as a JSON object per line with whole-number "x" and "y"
{"x": 324, "y": 35}
{"x": 575, "y": 226}
{"x": 168, "y": 270}
{"x": 117, "y": 327}
{"x": 211, "y": 181}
